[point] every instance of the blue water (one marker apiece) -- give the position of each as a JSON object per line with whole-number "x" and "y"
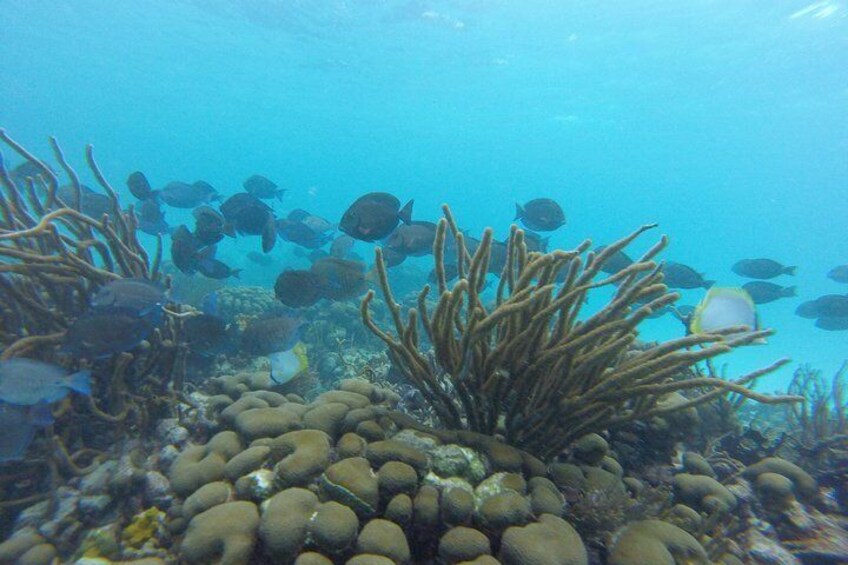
{"x": 726, "y": 121}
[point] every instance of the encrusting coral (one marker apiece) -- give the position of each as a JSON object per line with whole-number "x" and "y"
{"x": 527, "y": 366}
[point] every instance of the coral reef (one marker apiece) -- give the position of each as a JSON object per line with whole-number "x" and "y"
{"x": 527, "y": 366}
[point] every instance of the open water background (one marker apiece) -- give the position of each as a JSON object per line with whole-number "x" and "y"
{"x": 726, "y": 121}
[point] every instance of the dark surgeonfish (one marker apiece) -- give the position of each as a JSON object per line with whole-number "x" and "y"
{"x": 832, "y": 323}
{"x": 102, "y": 332}
{"x": 151, "y": 218}
{"x": 26, "y": 382}
{"x": 298, "y": 288}
{"x": 340, "y": 278}
{"x": 215, "y": 269}
{"x": 183, "y": 195}
{"x": 808, "y": 310}
{"x": 392, "y": 258}
{"x": 301, "y": 234}
{"x": 264, "y": 336}
{"x": 678, "y": 275}
{"x": 497, "y": 257}
{"x": 313, "y": 222}
{"x": 827, "y": 306}
{"x": 139, "y": 186}
{"x": 839, "y": 274}
{"x": 205, "y": 334}
{"x": 540, "y": 214}
{"x": 618, "y": 261}
{"x": 142, "y": 296}
{"x": 250, "y": 216}
{"x": 27, "y": 169}
{"x": 92, "y": 204}
{"x": 535, "y": 242}
{"x": 763, "y": 292}
{"x": 317, "y": 223}
{"x": 374, "y": 216}
{"x": 184, "y": 250}
{"x": 210, "y": 227}
{"x": 761, "y": 268}
{"x": 342, "y": 246}
{"x": 451, "y": 272}
{"x": 19, "y": 424}
{"x": 262, "y": 187}
{"x": 413, "y": 239}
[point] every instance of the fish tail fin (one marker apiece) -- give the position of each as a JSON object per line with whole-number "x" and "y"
{"x": 708, "y": 283}
{"x": 279, "y": 194}
{"x": 81, "y": 382}
{"x": 519, "y": 212}
{"x": 790, "y": 291}
{"x": 236, "y": 273}
{"x": 790, "y": 271}
{"x": 405, "y": 213}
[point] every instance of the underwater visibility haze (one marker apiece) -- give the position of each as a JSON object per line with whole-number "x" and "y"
{"x": 414, "y": 281}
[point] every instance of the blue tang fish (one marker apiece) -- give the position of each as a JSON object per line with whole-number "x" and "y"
{"x": 26, "y": 382}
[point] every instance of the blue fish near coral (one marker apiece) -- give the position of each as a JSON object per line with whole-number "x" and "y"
{"x": 26, "y": 382}
{"x": 18, "y": 424}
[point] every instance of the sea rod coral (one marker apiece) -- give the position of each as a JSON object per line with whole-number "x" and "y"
{"x": 528, "y": 366}
{"x": 53, "y": 260}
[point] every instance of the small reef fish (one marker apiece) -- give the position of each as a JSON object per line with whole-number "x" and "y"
{"x": 264, "y": 336}
{"x": 616, "y": 262}
{"x": 139, "y": 186}
{"x": 723, "y": 308}
{"x": 374, "y": 216}
{"x": 301, "y": 234}
{"x": 92, "y": 204}
{"x": 27, "y": 169}
{"x": 832, "y": 323}
{"x": 262, "y": 187}
{"x": 392, "y": 258}
{"x": 761, "y": 268}
{"x": 342, "y": 246}
{"x": 210, "y": 227}
{"x": 412, "y": 240}
{"x": 451, "y": 273}
{"x": 827, "y": 306}
{"x": 25, "y": 382}
{"x": 184, "y": 247}
{"x": 497, "y": 258}
{"x": 183, "y": 195}
{"x": 205, "y": 334}
{"x": 19, "y": 424}
{"x": 139, "y": 295}
{"x": 839, "y": 274}
{"x": 316, "y": 223}
{"x": 540, "y": 214}
{"x": 298, "y": 288}
{"x": 215, "y": 269}
{"x": 151, "y": 218}
{"x": 763, "y": 292}
{"x": 535, "y": 242}
{"x": 678, "y": 275}
{"x": 250, "y": 216}
{"x": 340, "y": 278}
{"x": 286, "y": 365}
{"x": 102, "y": 332}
